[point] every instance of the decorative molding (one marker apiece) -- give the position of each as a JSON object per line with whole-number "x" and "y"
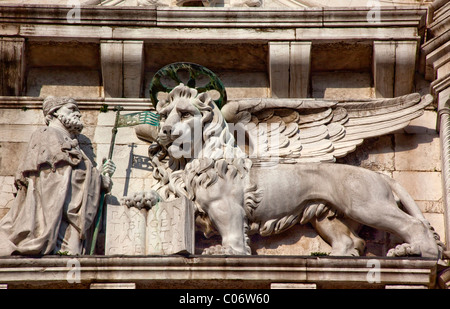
{"x": 205, "y": 24}
{"x": 146, "y": 16}
{"x": 302, "y": 17}
{"x": 90, "y": 15}
{"x": 130, "y": 104}
{"x": 218, "y": 271}
{"x": 440, "y": 85}
{"x": 113, "y": 286}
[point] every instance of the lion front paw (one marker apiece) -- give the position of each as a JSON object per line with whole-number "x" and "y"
{"x": 142, "y": 199}
{"x": 404, "y": 250}
{"x": 221, "y": 250}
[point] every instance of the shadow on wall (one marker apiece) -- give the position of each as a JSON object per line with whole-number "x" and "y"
{"x": 342, "y": 85}
{"x": 42, "y": 82}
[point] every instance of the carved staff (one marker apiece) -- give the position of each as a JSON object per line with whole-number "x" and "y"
{"x": 120, "y": 121}
{"x": 103, "y": 195}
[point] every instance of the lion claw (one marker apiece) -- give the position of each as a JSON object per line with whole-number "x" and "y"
{"x": 220, "y": 250}
{"x": 142, "y": 199}
{"x": 404, "y": 250}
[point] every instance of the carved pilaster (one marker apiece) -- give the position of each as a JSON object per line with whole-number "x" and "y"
{"x": 384, "y": 68}
{"x": 289, "y": 69}
{"x": 122, "y": 68}
{"x": 12, "y": 54}
{"x": 112, "y": 68}
{"x": 300, "y": 69}
{"x": 133, "y": 69}
{"x": 279, "y": 69}
{"x": 394, "y": 67}
{"x": 405, "y": 66}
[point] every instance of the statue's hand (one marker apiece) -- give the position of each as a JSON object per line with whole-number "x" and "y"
{"x": 108, "y": 167}
{"x": 141, "y": 199}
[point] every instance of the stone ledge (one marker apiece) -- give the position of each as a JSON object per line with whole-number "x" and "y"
{"x": 220, "y": 272}
{"x": 214, "y": 17}
{"x": 91, "y": 15}
{"x": 25, "y": 103}
{"x": 305, "y": 17}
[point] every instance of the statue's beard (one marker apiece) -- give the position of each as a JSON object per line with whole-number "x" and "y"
{"x": 73, "y": 124}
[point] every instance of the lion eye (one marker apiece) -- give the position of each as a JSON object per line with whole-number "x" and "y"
{"x": 185, "y": 115}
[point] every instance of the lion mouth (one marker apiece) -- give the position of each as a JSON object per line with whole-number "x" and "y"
{"x": 164, "y": 140}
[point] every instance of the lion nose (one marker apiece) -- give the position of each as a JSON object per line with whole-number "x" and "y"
{"x": 166, "y": 129}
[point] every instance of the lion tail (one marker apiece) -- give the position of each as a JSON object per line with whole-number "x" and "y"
{"x": 407, "y": 201}
{"x": 411, "y": 207}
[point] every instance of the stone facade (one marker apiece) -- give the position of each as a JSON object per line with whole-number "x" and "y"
{"x": 302, "y": 49}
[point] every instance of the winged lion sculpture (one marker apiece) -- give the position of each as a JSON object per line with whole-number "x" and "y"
{"x": 263, "y": 165}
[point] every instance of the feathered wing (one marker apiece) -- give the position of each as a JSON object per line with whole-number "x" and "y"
{"x": 310, "y": 130}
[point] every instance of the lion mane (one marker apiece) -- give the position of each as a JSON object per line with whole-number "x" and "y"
{"x": 219, "y": 156}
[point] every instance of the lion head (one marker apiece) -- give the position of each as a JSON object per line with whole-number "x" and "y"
{"x": 202, "y": 152}
{"x": 192, "y": 130}
{"x": 192, "y": 126}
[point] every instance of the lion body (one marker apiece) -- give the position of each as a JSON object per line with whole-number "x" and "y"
{"x": 240, "y": 199}
{"x": 289, "y": 194}
{"x": 293, "y": 187}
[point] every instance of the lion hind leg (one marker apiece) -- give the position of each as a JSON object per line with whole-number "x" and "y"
{"x": 412, "y": 209}
{"x": 388, "y": 217}
{"x": 340, "y": 235}
{"x": 419, "y": 241}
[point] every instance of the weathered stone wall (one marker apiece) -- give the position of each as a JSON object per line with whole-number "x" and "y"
{"x": 410, "y": 156}
{"x": 69, "y": 69}
{"x": 339, "y": 70}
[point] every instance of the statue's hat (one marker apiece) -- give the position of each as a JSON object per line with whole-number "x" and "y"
{"x": 52, "y": 104}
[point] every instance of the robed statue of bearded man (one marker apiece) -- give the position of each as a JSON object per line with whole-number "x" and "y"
{"x": 58, "y": 188}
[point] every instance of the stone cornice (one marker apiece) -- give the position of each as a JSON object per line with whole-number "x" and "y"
{"x": 132, "y": 104}
{"x": 90, "y": 15}
{"x": 151, "y": 24}
{"x": 218, "y": 270}
{"x": 307, "y": 17}
{"x": 213, "y": 17}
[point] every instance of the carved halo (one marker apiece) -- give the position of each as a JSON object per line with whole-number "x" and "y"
{"x": 195, "y": 72}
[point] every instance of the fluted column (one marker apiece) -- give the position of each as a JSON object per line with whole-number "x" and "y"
{"x": 444, "y": 132}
